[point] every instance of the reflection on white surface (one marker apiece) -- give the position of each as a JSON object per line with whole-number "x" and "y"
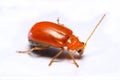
{"x": 101, "y": 56}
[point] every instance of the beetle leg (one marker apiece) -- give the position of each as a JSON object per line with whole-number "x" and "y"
{"x": 32, "y": 49}
{"x": 60, "y": 52}
{"x": 73, "y": 59}
{"x": 58, "y": 20}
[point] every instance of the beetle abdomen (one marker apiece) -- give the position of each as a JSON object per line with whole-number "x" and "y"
{"x": 36, "y": 44}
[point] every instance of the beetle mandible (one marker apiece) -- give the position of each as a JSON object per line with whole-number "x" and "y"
{"x": 45, "y": 34}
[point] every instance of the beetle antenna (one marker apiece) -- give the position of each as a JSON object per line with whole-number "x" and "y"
{"x": 94, "y": 29}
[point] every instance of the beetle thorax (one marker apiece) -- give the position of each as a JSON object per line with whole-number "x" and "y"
{"x": 73, "y": 43}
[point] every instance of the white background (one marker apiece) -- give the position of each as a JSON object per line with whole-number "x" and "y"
{"x": 101, "y": 57}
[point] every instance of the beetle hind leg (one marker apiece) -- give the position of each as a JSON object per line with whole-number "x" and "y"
{"x": 32, "y": 49}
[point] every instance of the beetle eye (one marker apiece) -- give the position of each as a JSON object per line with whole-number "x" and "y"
{"x": 79, "y": 50}
{"x": 83, "y": 43}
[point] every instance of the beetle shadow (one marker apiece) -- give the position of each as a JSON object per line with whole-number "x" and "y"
{"x": 51, "y": 52}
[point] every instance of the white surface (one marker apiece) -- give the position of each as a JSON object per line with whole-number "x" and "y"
{"x": 101, "y": 56}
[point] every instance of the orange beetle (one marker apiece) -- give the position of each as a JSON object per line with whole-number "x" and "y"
{"x": 45, "y": 34}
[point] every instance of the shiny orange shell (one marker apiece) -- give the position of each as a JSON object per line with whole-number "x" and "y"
{"x": 49, "y": 33}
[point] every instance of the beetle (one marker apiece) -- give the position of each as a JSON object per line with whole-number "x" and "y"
{"x": 45, "y": 34}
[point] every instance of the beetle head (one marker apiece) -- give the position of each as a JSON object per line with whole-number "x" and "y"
{"x": 81, "y": 49}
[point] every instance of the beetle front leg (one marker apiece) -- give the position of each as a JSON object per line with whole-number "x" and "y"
{"x": 60, "y": 52}
{"x": 73, "y": 59}
{"x": 32, "y": 49}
